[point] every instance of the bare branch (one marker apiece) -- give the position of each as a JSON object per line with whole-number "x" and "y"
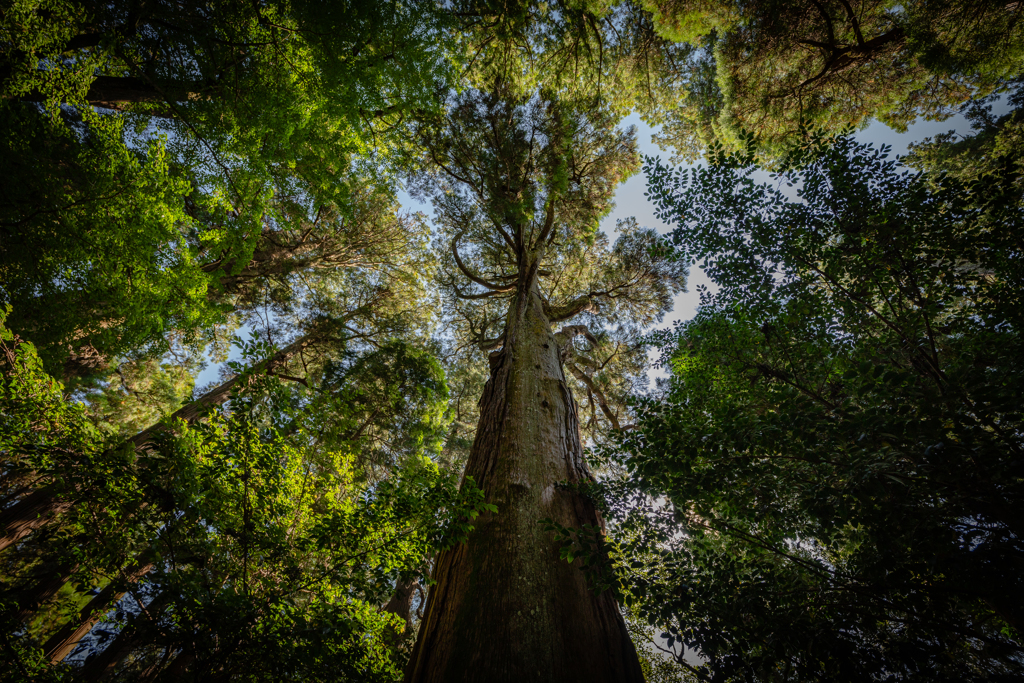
{"x": 476, "y": 278}
{"x": 601, "y": 400}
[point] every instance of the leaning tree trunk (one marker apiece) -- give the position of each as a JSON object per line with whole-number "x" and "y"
{"x": 138, "y": 631}
{"x": 46, "y": 503}
{"x": 505, "y": 607}
{"x": 60, "y": 644}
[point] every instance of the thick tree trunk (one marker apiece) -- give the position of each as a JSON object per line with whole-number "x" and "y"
{"x": 61, "y": 643}
{"x": 505, "y": 607}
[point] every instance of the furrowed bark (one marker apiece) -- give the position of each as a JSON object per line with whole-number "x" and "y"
{"x": 505, "y": 607}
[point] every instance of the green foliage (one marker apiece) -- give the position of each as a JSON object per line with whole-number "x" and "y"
{"x": 779, "y": 68}
{"x": 393, "y": 399}
{"x": 271, "y": 551}
{"x": 830, "y": 487}
{"x": 521, "y": 183}
{"x": 91, "y": 239}
{"x": 995, "y": 144}
{"x": 163, "y": 149}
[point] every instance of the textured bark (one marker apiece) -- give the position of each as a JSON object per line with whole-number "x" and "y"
{"x": 61, "y": 643}
{"x": 400, "y": 605}
{"x": 505, "y": 607}
{"x": 30, "y": 513}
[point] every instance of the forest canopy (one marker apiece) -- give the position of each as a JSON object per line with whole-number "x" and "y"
{"x": 260, "y": 421}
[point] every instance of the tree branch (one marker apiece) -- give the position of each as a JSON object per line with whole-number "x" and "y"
{"x": 601, "y": 400}
{"x": 476, "y": 278}
{"x": 574, "y": 307}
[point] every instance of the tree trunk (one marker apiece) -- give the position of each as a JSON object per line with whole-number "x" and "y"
{"x": 171, "y": 672}
{"x": 400, "y": 605}
{"x": 505, "y": 607}
{"x": 50, "y": 582}
{"x": 30, "y": 513}
{"x": 136, "y": 632}
{"x": 116, "y": 92}
{"x": 61, "y": 643}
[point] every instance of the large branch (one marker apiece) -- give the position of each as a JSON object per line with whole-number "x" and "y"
{"x": 485, "y": 295}
{"x": 845, "y": 58}
{"x": 574, "y": 307}
{"x": 476, "y": 278}
{"x": 549, "y": 222}
{"x": 570, "y": 331}
{"x": 491, "y": 344}
{"x": 115, "y": 92}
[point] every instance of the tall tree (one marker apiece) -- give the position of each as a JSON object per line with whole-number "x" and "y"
{"x": 773, "y": 68}
{"x": 223, "y": 133}
{"x": 520, "y": 187}
{"x": 830, "y": 488}
{"x": 258, "y": 543}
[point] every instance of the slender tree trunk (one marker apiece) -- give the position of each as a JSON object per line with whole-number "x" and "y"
{"x": 505, "y": 607}
{"x": 49, "y": 584}
{"x": 171, "y": 672}
{"x": 61, "y": 643}
{"x": 135, "y": 633}
{"x": 30, "y": 513}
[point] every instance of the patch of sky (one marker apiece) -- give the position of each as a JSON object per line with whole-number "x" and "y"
{"x": 631, "y": 202}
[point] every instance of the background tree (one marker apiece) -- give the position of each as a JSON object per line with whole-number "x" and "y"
{"x": 168, "y": 151}
{"x": 829, "y": 487}
{"x": 775, "y": 68}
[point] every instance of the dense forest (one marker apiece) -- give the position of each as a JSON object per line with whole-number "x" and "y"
{"x": 259, "y": 421}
